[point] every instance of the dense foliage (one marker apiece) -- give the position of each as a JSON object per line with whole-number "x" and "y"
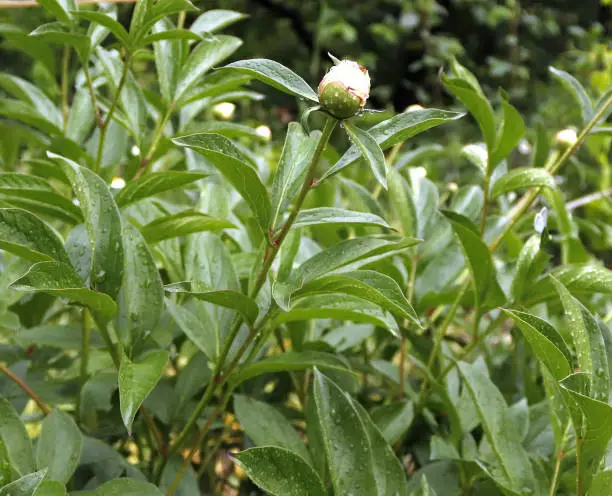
{"x": 202, "y": 295}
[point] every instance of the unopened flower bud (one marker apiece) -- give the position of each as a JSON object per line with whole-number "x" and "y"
{"x": 224, "y": 110}
{"x": 118, "y": 183}
{"x": 414, "y": 107}
{"x": 264, "y": 132}
{"x": 344, "y": 90}
{"x": 566, "y": 137}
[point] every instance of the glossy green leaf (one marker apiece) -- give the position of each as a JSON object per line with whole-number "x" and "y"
{"x": 266, "y": 426}
{"x": 588, "y": 342}
{"x": 598, "y": 431}
{"x": 127, "y": 487}
{"x": 512, "y": 469}
{"x": 368, "y": 285}
{"x": 293, "y": 165}
{"x": 61, "y": 9}
{"x": 477, "y": 154}
{"x": 370, "y": 151}
{"x": 199, "y": 329}
{"x": 168, "y": 58}
{"x": 61, "y": 34}
{"x": 280, "y": 472}
{"x": 24, "y": 112}
{"x": 530, "y": 263}
{"x": 103, "y": 223}
{"x": 486, "y": 288}
{"x": 29, "y": 237}
{"x": 143, "y": 295}
{"x": 276, "y": 75}
{"x": 28, "y": 92}
{"x": 547, "y": 344}
{"x": 147, "y": 13}
{"x": 24, "y": 486}
{"x": 60, "y": 279}
{"x": 522, "y": 178}
{"x": 579, "y": 94}
{"x": 215, "y": 20}
{"x": 345, "y": 438}
{"x": 601, "y": 484}
{"x": 59, "y": 446}
{"x": 108, "y": 22}
{"x": 51, "y": 488}
{"x": 171, "y": 34}
{"x": 511, "y": 132}
{"x": 226, "y": 298}
{"x": 16, "y": 439}
{"x": 205, "y": 55}
{"x": 224, "y": 155}
{"x": 401, "y": 197}
{"x": 81, "y": 118}
{"x": 478, "y": 106}
{"x": 182, "y": 224}
{"x": 393, "y": 420}
{"x": 136, "y": 381}
{"x": 287, "y": 362}
{"x": 154, "y": 184}
{"x": 333, "y": 215}
{"x": 395, "y": 130}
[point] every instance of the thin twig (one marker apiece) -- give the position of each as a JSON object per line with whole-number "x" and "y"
{"x": 580, "y": 202}
{"x": 45, "y": 409}
{"x": 4, "y": 4}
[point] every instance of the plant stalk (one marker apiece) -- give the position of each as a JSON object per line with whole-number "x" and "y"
{"x": 41, "y": 404}
{"x": 65, "y": 85}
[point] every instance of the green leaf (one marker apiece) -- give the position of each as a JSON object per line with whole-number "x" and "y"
{"x": 143, "y": 294}
{"x": 601, "y": 484}
{"x": 512, "y": 469}
{"x": 81, "y": 118}
{"x": 154, "y": 184}
{"x": 25, "y": 235}
{"x": 286, "y": 362}
{"x": 182, "y": 224}
{"x": 61, "y": 34}
{"x": 215, "y": 20}
{"x": 579, "y": 94}
{"x": 103, "y": 223}
{"x": 204, "y": 56}
{"x": 24, "y": 486}
{"x": 137, "y": 380}
{"x": 530, "y": 263}
{"x": 224, "y": 155}
{"x": 293, "y": 165}
{"x": 280, "y": 472}
{"x": 108, "y": 22}
{"x": 513, "y": 129}
{"x": 366, "y": 284}
{"x": 171, "y": 34}
{"x": 16, "y": 439}
{"x": 59, "y": 446}
{"x": 370, "y": 151}
{"x": 477, "y": 154}
{"x": 588, "y": 342}
{"x": 61, "y": 9}
{"x": 333, "y": 215}
{"x": 393, "y": 420}
{"x": 345, "y": 439}
{"x": 24, "y": 112}
{"x": 201, "y": 333}
{"x": 478, "y": 106}
{"x": 276, "y": 75}
{"x": 395, "y": 130}
{"x": 401, "y": 197}
{"x": 547, "y": 344}
{"x": 223, "y": 297}
{"x": 266, "y": 426}
{"x": 51, "y": 488}
{"x": 579, "y": 279}
{"x": 26, "y": 91}
{"x": 487, "y": 292}
{"x": 168, "y": 58}
{"x": 60, "y": 279}
{"x": 598, "y": 422}
{"x": 127, "y": 487}
{"x": 523, "y": 177}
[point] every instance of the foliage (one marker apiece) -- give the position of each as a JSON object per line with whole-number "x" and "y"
{"x": 329, "y": 307}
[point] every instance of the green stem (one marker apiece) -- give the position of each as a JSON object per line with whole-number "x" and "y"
{"x": 65, "y": 85}
{"x": 271, "y": 252}
{"x": 578, "y": 462}
{"x": 94, "y": 99}
{"x": 485, "y": 204}
{"x": 560, "y": 455}
{"x": 44, "y": 408}
{"x": 157, "y": 136}
{"x": 111, "y": 111}
{"x": 85, "y": 344}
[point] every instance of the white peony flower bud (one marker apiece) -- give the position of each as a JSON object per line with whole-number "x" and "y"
{"x": 566, "y": 137}
{"x": 344, "y": 90}
{"x": 414, "y": 107}
{"x": 118, "y": 183}
{"x": 264, "y": 131}
{"x": 224, "y": 110}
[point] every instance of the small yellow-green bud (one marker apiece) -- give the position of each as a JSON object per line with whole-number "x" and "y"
{"x": 224, "y": 110}
{"x": 344, "y": 90}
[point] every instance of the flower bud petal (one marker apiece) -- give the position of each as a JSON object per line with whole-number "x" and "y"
{"x": 566, "y": 137}
{"x": 344, "y": 90}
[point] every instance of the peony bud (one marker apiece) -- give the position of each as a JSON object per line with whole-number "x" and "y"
{"x": 118, "y": 183}
{"x": 566, "y": 137}
{"x": 264, "y": 132}
{"x": 224, "y": 110}
{"x": 344, "y": 90}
